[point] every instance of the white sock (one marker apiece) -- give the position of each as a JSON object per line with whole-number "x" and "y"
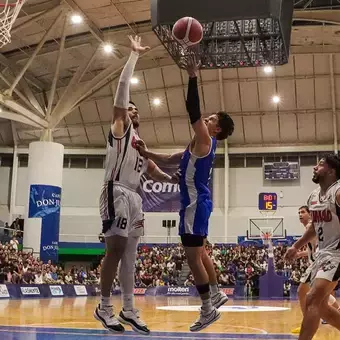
{"x": 207, "y": 305}
{"x": 128, "y": 302}
{"x": 105, "y": 301}
{"x": 214, "y": 289}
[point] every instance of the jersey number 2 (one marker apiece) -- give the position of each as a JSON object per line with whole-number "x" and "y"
{"x": 138, "y": 165}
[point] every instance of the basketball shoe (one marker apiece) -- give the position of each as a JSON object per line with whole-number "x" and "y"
{"x": 205, "y": 319}
{"x": 107, "y": 317}
{"x": 219, "y": 299}
{"x": 132, "y": 318}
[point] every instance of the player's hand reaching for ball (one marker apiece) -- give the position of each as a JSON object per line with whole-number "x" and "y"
{"x": 291, "y": 254}
{"x": 136, "y": 44}
{"x": 192, "y": 66}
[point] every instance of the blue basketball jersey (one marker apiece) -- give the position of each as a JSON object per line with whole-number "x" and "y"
{"x": 196, "y": 202}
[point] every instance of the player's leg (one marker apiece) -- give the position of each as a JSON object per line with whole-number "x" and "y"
{"x": 302, "y": 295}
{"x": 332, "y": 302}
{"x": 218, "y": 298}
{"x": 115, "y": 208}
{"x": 130, "y": 315}
{"x": 327, "y": 274}
{"x": 193, "y": 246}
{"x": 115, "y": 246}
{"x": 317, "y": 307}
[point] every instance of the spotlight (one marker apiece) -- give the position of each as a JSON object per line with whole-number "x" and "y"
{"x": 276, "y": 99}
{"x": 76, "y": 19}
{"x": 108, "y": 48}
{"x": 268, "y": 69}
{"x": 156, "y": 102}
{"x": 134, "y": 80}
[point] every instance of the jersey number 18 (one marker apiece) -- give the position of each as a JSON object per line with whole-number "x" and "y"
{"x": 138, "y": 165}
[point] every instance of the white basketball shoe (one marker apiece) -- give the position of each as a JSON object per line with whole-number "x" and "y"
{"x": 132, "y": 318}
{"x": 107, "y": 317}
{"x": 205, "y": 319}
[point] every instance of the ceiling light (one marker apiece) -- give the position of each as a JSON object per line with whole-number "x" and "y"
{"x": 276, "y": 99}
{"x": 108, "y": 48}
{"x": 134, "y": 80}
{"x": 156, "y": 102}
{"x": 268, "y": 69}
{"x": 76, "y": 19}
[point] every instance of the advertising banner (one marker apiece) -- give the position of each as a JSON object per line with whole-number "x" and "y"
{"x": 44, "y": 203}
{"x": 161, "y": 197}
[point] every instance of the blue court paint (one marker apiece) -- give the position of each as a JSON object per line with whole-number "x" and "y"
{"x": 32, "y": 333}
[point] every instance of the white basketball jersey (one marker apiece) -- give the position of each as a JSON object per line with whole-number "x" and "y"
{"x": 325, "y": 215}
{"x": 123, "y": 163}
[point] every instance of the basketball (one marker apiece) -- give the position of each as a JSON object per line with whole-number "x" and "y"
{"x": 188, "y": 31}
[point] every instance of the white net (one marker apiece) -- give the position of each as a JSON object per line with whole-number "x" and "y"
{"x": 266, "y": 235}
{"x": 9, "y": 10}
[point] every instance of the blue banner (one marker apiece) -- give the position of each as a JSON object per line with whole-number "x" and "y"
{"x": 45, "y": 204}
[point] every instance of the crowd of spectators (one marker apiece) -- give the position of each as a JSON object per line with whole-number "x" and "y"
{"x": 234, "y": 264}
{"x": 156, "y": 266}
{"x": 19, "y": 267}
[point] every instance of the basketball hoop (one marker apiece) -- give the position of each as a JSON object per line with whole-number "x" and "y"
{"x": 267, "y": 241}
{"x": 266, "y": 237}
{"x": 9, "y": 11}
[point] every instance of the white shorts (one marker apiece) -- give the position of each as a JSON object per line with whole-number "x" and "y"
{"x": 121, "y": 211}
{"x": 307, "y": 275}
{"x": 326, "y": 267}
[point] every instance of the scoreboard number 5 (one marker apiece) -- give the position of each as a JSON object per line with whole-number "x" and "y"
{"x": 269, "y": 205}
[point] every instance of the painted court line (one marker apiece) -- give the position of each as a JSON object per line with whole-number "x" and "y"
{"x": 156, "y": 335}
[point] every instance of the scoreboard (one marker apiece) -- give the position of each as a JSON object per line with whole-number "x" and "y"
{"x": 267, "y": 201}
{"x": 281, "y": 171}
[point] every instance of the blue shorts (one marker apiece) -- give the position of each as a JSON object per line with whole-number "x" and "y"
{"x": 194, "y": 219}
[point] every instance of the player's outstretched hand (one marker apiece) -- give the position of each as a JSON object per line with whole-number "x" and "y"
{"x": 136, "y": 44}
{"x": 291, "y": 254}
{"x": 192, "y": 66}
{"x": 141, "y": 148}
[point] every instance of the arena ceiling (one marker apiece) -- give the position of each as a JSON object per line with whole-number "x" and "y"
{"x": 79, "y": 113}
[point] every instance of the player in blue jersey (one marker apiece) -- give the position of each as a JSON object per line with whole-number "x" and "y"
{"x": 195, "y": 165}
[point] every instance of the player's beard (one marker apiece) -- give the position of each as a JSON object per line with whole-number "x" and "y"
{"x": 316, "y": 179}
{"x": 135, "y": 124}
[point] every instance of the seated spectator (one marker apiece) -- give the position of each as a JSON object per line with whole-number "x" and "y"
{"x": 38, "y": 278}
{"x": 28, "y": 277}
{"x": 224, "y": 279}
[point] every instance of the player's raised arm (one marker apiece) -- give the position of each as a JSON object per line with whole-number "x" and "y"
{"x": 159, "y": 158}
{"x": 120, "y": 119}
{"x": 202, "y": 137}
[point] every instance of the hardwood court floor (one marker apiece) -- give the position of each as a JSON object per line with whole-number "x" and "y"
{"x": 168, "y": 318}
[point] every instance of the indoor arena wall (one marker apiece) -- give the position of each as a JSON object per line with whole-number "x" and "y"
{"x": 246, "y": 183}
{"x": 81, "y": 189}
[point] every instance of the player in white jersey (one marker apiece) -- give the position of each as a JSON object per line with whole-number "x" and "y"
{"x": 324, "y": 206}
{"x": 310, "y": 252}
{"x": 121, "y": 206}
